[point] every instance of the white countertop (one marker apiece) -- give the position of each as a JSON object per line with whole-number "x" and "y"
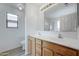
{"x": 72, "y": 43}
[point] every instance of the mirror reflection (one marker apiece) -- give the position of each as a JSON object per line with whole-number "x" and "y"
{"x": 61, "y": 18}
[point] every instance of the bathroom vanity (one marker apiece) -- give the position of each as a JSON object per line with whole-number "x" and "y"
{"x": 59, "y": 18}
{"x": 40, "y": 46}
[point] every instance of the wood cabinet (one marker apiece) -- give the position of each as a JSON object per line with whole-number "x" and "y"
{"x": 78, "y": 53}
{"x": 32, "y": 46}
{"x": 47, "y": 52}
{"x": 62, "y": 50}
{"x": 38, "y": 51}
{"x": 38, "y": 47}
{"x": 57, "y": 54}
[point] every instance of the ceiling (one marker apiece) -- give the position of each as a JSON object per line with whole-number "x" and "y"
{"x": 15, "y": 5}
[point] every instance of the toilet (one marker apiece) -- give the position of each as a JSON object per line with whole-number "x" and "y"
{"x": 23, "y": 44}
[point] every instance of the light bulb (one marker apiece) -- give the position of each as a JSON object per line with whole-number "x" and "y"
{"x": 20, "y": 8}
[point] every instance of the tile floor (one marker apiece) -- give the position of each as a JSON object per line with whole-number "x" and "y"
{"x": 14, "y": 52}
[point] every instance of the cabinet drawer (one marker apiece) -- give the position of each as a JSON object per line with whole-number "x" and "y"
{"x": 38, "y": 51}
{"x": 38, "y": 45}
{"x": 38, "y": 41}
{"x": 60, "y": 49}
{"x": 38, "y": 48}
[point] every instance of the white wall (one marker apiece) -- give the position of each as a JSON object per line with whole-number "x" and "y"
{"x": 10, "y": 38}
{"x": 34, "y": 21}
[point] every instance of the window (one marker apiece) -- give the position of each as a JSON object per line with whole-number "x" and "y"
{"x": 12, "y": 21}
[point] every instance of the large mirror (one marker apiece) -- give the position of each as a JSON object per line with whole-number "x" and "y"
{"x": 61, "y": 18}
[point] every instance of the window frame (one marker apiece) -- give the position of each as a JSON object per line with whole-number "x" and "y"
{"x": 12, "y": 21}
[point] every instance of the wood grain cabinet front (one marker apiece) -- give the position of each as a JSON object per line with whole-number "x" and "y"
{"x": 78, "y": 53}
{"x": 47, "y": 52}
{"x": 32, "y": 46}
{"x": 38, "y": 41}
{"x": 38, "y": 51}
{"x": 62, "y": 50}
{"x": 38, "y": 47}
{"x": 57, "y": 54}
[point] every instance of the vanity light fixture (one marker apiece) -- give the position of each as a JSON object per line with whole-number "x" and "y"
{"x": 47, "y": 6}
{"x": 66, "y": 4}
{"x": 20, "y": 6}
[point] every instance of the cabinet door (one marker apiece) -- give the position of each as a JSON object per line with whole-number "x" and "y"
{"x": 32, "y": 46}
{"x": 78, "y": 53}
{"x": 47, "y": 52}
{"x": 59, "y": 49}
